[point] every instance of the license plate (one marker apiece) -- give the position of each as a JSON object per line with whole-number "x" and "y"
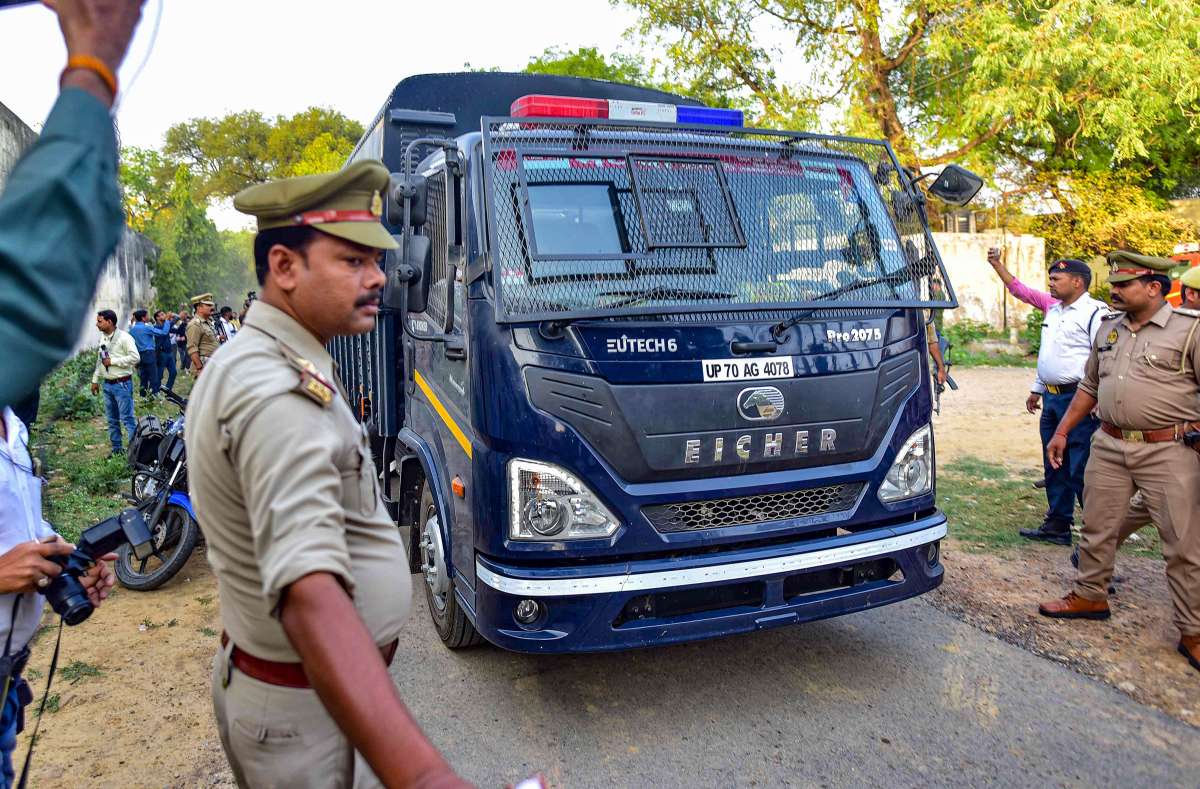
{"x": 746, "y": 369}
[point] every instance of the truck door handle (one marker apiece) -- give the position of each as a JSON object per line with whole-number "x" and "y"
{"x": 753, "y": 347}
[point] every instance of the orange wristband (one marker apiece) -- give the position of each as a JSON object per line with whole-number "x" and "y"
{"x": 94, "y": 65}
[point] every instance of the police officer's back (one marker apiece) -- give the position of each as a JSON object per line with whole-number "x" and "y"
{"x": 311, "y": 571}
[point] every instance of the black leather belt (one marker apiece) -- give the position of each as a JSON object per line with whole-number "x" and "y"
{"x": 1060, "y": 389}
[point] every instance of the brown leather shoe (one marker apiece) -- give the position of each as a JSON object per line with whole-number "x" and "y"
{"x": 1075, "y": 607}
{"x": 1189, "y": 647}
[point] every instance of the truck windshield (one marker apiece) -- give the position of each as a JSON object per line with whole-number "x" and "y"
{"x": 598, "y": 233}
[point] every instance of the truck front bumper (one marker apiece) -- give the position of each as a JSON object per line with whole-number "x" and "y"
{"x": 663, "y": 601}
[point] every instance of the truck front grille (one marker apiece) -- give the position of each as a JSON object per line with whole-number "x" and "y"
{"x": 749, "y": 510}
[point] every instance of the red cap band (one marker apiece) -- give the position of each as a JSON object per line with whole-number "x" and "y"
{"x": 326, "y": 217}
{"x": 1137, "y": 272}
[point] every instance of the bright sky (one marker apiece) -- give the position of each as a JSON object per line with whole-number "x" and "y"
{"x": 282, "y": 56}
{"x": 211, "y": 57}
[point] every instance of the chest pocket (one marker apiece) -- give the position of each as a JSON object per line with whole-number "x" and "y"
{"x": 1106, "y": 360}
{"x": 1163, "y": 361}
{"x": 359, "y": 492}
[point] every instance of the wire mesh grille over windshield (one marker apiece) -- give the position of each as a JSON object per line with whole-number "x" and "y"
{"x": 596, "y": 218}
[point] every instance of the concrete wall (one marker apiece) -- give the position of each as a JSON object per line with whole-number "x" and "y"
{"x": 124, "y": 283}
{"x": 981, "y": 296}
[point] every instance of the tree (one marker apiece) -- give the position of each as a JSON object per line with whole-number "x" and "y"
{"x": 237, "y": 150}
{"x": 941, "y": 80}
{"x": 146, "y": 177}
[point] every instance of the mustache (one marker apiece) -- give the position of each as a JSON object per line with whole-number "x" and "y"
{"x": 374, "y": 297}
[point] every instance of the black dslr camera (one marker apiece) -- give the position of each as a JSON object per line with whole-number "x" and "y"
{"x": 65, "y": 593}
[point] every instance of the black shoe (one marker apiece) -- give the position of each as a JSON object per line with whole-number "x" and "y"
{"x": 1040, "y": 484}
{"x": 1054, "y": 533}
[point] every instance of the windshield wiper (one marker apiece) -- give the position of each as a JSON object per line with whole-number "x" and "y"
{"x": 891, "y": 280}
{"x": 660, "y": 292}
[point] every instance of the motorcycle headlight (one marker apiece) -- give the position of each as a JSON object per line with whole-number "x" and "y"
{"x": 547, "y": 502}
{"x": 912, "y": 473}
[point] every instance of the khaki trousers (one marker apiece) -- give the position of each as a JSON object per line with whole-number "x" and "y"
{"x": 1168, "y": 476}
{"x": 281, "y": 737}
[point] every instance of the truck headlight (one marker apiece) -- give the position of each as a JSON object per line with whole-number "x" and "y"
{"x": 912, "y": 473}
{"x": 547, "y": 502}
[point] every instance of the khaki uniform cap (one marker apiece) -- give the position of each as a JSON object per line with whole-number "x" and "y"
{"x": 1191, "y": 278}
{"x": 204, "y": 298}
{"x": 1124, "y": 266}
{"x": 346, "y": 204}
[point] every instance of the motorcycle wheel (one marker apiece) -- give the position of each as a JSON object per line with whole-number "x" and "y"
{"x": 175, "y": 537}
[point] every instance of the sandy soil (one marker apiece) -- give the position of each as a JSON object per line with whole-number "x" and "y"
{"x": 147, "y": 720}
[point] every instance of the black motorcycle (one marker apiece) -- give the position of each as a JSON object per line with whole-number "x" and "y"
{"x": 159, "y": 459}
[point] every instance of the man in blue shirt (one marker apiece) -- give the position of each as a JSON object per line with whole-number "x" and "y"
{"x": 60, "y": 213}
{"x": 164, "y": 344}
{"x": 145, "y": 336}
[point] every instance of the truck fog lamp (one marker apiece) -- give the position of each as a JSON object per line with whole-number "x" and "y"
{"x": 912, "y": 473}
{"x": 547, "y": 502}
{"x": 528, "y": 611}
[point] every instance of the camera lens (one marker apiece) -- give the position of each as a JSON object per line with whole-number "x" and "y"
{"x": 69, "y": 599}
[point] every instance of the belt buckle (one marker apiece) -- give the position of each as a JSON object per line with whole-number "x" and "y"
{"x": 1136, "y": 436}
{"x": 1051, "y": 388}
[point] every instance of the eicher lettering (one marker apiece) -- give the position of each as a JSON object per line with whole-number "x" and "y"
{"x": 626, "y": 344}
{"x": 768, "y": 445}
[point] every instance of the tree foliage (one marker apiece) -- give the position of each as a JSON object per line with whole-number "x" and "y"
{"x": 229, "y": 153}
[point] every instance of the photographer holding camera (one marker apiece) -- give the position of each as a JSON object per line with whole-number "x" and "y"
{"x": 31, "y": 556}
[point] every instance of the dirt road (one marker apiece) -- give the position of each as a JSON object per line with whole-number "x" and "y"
{"x": 902, "y": 695}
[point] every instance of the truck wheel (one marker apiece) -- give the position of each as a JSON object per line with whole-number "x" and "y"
{"x": 450, "y": 621}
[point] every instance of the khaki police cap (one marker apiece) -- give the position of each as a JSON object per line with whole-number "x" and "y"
{"x": 204, "y": 298}
{"x": 346, "y": 203}
{"x": 1191, "y": 278}
{"x": 1124, "y": 266}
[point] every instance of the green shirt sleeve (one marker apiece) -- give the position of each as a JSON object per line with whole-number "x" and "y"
{"x": 60, "y": 219}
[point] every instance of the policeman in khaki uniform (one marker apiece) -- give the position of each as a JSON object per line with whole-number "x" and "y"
{"x": 1143, "y": 380}
{"x": 311, "y": 571}
{"x": 202, "y": 341}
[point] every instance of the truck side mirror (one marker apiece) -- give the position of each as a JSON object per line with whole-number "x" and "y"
{"x": 408, "y": 268}
{"x": 956, "y": 185}
{"x": 415, "y": 190}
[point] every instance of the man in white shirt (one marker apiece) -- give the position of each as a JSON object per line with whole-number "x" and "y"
{"x": 1072, "y": 320}
{"x": 116, "y": 359}
{"x": 26, "y": 543}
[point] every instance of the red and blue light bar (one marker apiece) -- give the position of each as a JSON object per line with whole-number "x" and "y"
{"x": 542, "y": 106}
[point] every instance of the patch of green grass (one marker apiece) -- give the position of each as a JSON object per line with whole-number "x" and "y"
{"x": 77, "y": 670}
{"x": 204, "y": 599}
{"x": 965, "y": 358}
{"x": 208, "y": 631}
{"x": 52, "y": 702}
{"x": 987, "y": 505}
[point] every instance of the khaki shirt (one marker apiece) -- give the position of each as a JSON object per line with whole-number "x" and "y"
{"x": 202, "y": 338}
{"x": 284, "y": 486}
{"x": 1143, "y": 380}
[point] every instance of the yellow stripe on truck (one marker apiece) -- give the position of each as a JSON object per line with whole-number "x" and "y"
{"x": 459, "y": 435}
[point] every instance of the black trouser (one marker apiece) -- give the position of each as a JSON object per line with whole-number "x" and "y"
{"x": 148, "y": 372}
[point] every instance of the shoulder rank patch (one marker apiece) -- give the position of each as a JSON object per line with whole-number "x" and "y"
{"x": 1108, "y": 316}
{"x": 312, "y": 383}
{"x": 1188, "y": 312}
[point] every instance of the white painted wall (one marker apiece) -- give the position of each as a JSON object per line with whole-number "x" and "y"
{"x": 981, "y": 295}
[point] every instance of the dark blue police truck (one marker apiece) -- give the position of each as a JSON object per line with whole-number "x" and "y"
{"x": 645, "y": 375}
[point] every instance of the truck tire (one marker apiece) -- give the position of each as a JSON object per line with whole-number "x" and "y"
{"x": 450, "y": 621}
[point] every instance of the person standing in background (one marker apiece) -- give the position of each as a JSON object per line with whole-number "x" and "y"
{"x": 179, "y": 330}
{"x": 164, "y": 345}
{"x": 1072, "y": 319}
{"x": 202, "y": 337}
{"x": 229, "y": 323}
{"x": 116, "y": 359}
{"x": 146, "y": 336}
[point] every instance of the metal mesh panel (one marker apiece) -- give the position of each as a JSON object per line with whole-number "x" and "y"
{"x": 599, "y": 218}
{"x": 367, "y": 369}
{"x": 435, "y": 228}
{"x": 749, "y": 510}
